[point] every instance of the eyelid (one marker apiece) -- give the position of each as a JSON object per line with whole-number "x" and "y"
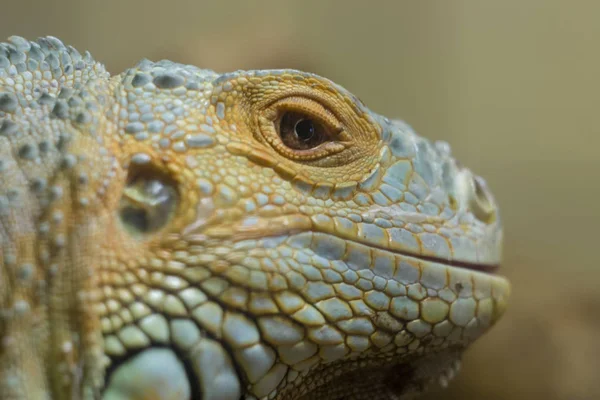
{"x": 311, "y": 108}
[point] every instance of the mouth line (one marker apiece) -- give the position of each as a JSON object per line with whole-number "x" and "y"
{"x": 491, "y": 269}
{"x": 277, "y": 226}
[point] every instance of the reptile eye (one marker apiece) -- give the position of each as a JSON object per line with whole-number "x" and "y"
{"x": 303, "y": 129}
{"x": 147, "y": 204}
{"x": 300, "y": 132}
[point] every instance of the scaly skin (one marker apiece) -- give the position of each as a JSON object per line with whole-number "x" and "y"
{"x": 169, "y": 233}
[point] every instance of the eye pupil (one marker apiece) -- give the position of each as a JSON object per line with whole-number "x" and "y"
{"x": 304, "y": 129}
{"x": 300, "y": 132}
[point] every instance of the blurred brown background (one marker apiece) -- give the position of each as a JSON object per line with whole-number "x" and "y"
{"x": 514, "y": 86}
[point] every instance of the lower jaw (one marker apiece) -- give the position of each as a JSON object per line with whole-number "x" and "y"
{"x": 436, "y": 306}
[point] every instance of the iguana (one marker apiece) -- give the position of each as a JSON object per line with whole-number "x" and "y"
{"x": 175, "y": 233}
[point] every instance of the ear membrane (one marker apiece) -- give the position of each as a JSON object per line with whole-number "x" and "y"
{"x": 148, "y": 202}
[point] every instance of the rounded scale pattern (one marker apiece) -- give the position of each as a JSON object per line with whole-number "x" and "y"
{"x": 256, "y": 234}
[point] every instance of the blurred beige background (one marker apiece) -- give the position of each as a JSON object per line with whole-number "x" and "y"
{"x": 513, "y": 85}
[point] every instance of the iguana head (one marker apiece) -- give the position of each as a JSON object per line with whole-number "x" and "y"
{"x": 264, "y": 234}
